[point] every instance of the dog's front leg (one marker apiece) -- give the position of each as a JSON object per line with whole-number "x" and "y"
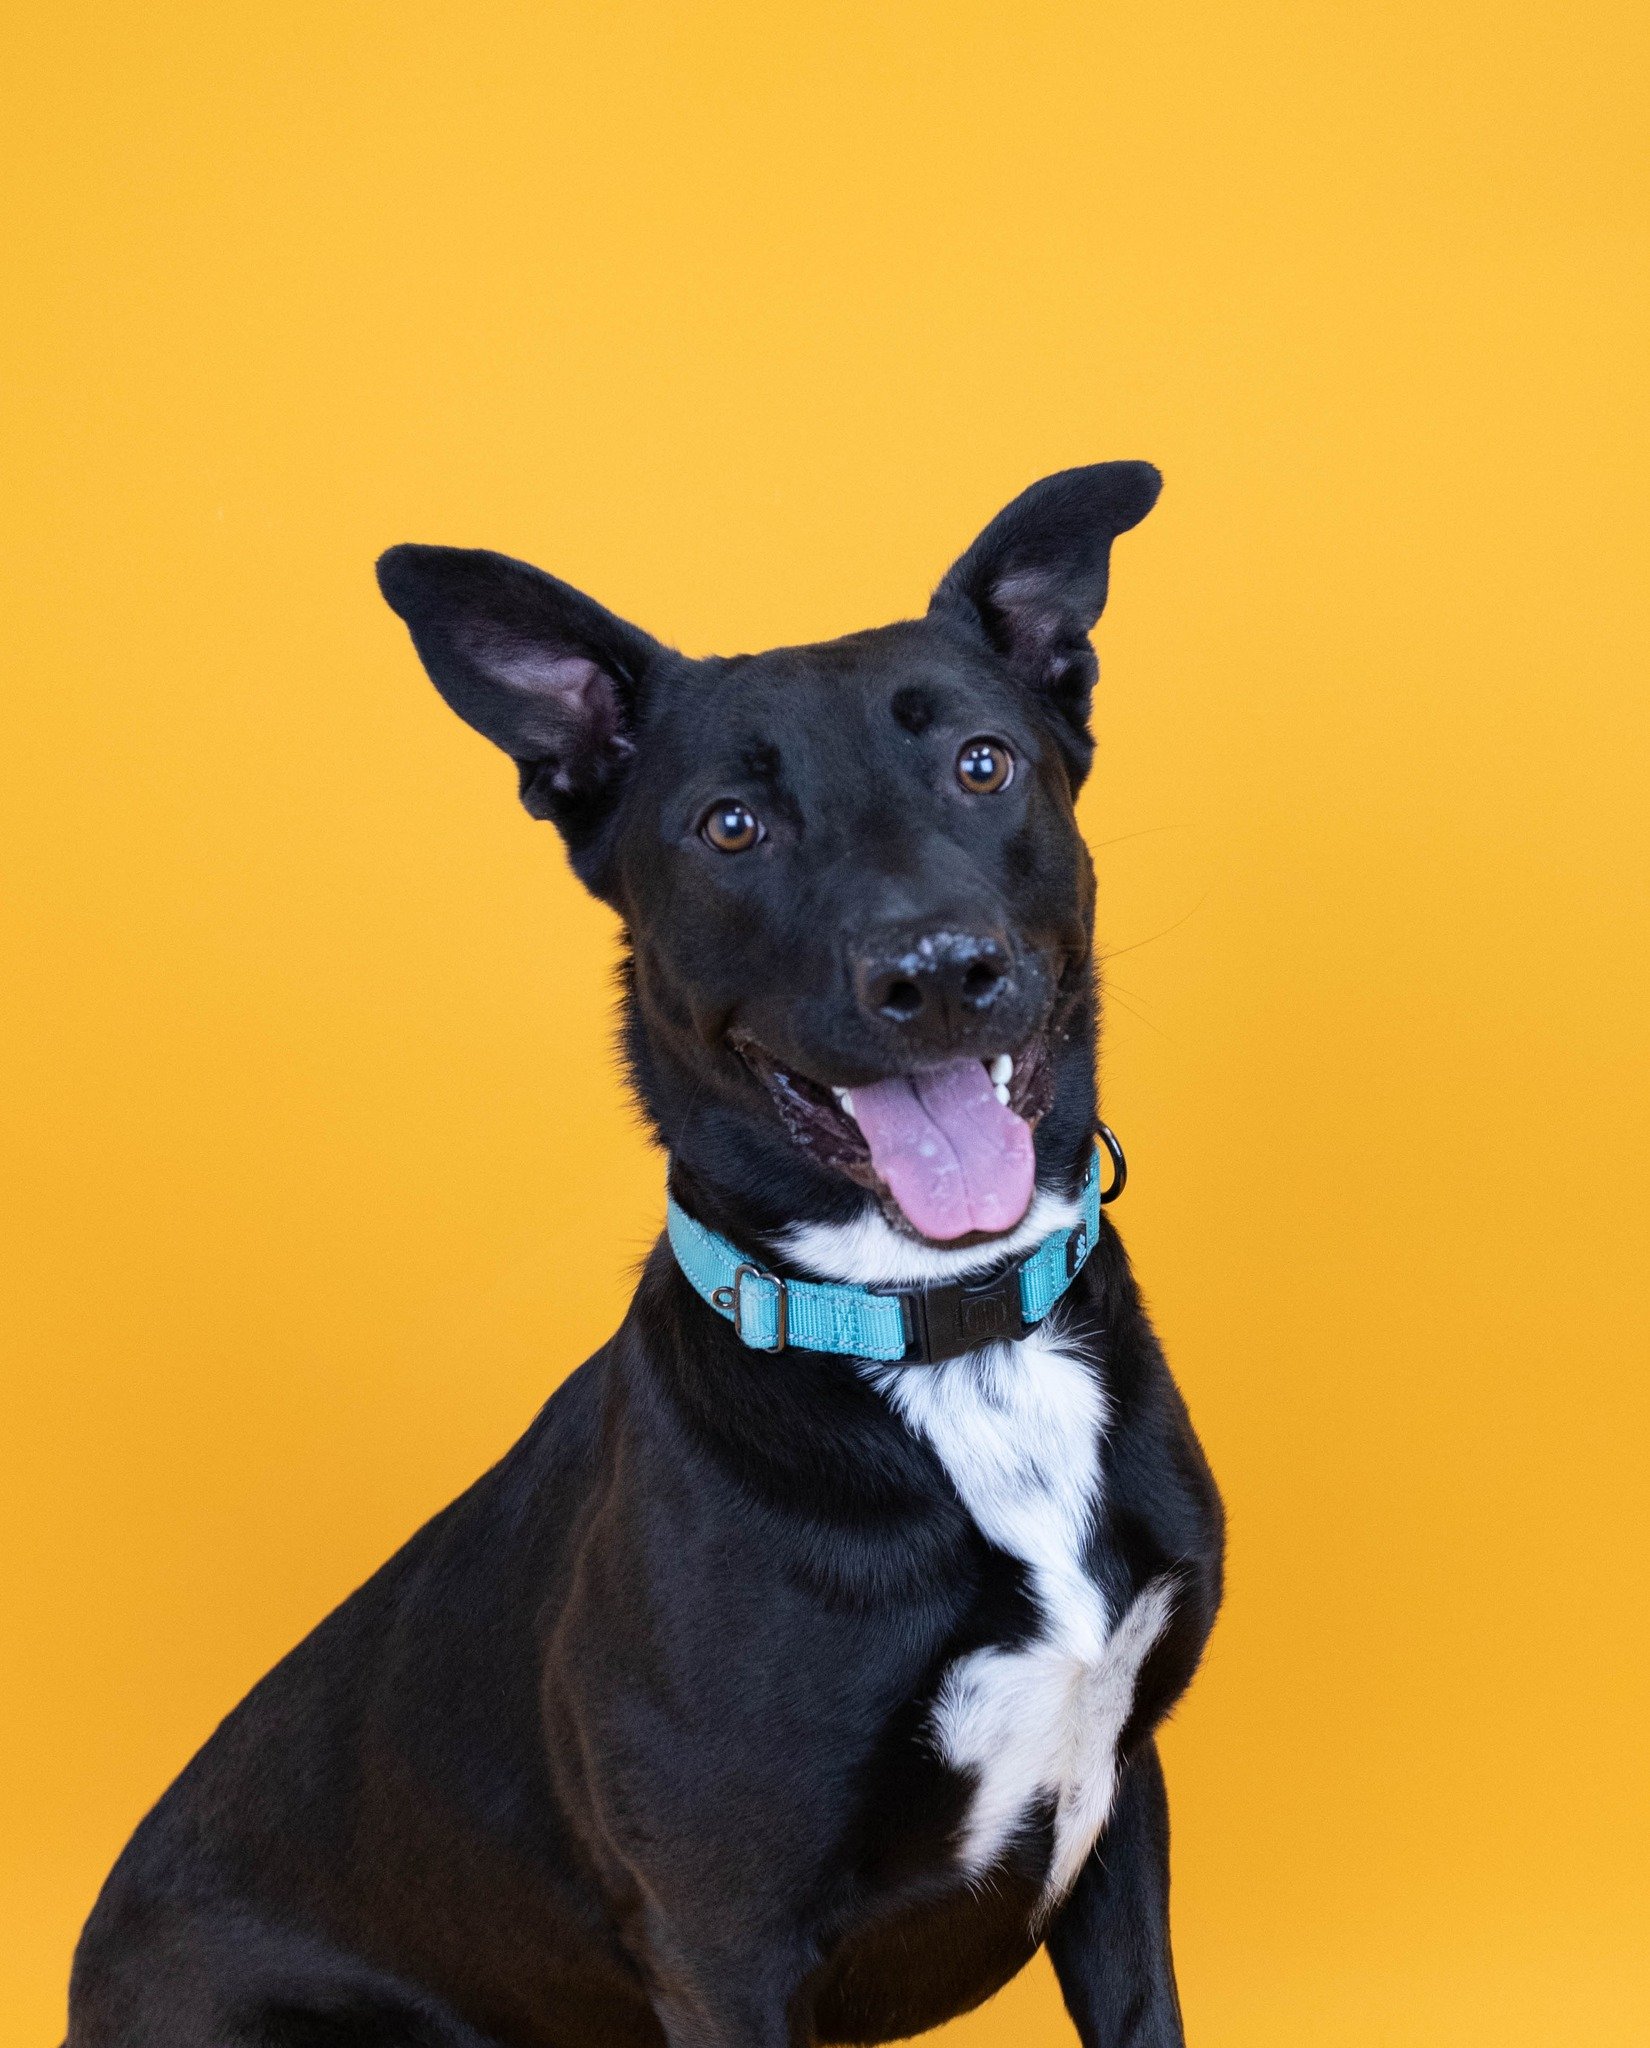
{"x": 722, "y": 1998}
{"x": 1109, "y": 1942}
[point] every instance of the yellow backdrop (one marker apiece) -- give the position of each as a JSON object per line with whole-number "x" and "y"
{"x": 745, "y": 316}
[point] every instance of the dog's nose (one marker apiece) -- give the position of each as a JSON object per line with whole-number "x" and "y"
{"x": 935, "y": 982}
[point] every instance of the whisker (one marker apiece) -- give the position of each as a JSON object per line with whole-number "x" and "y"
{"x": 1116, "y": 952}
{"x": 1111, "y": 995}
{"x": 1122, "y": 839}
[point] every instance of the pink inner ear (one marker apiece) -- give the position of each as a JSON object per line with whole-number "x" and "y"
{"x": 569, "y": 706}
{"x": 1031, "y": 603}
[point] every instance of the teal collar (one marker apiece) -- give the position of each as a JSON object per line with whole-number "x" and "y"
{"x": 915, "y": 1325}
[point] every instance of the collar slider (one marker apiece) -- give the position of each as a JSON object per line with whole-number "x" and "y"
{"x": 731, "y": 1301}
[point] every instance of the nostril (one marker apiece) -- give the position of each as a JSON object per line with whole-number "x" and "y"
{"x": 981, "y": 982}
{"x": 934, "y": 983}
{"x": 901, "y": 1000}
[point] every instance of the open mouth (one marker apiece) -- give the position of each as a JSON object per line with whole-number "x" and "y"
{"x": 947, "y": 1151}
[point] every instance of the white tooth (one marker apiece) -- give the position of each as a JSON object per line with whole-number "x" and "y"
{"x": 839, "y": 1093}
{"x": 1001, "y": 1093}
{"x": 1001, "y": 1070}
{"x": 846, "y": 1100}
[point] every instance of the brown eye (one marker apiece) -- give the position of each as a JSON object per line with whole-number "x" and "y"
{"x": 984, "y": 767}
{"x": 730, "y": 826}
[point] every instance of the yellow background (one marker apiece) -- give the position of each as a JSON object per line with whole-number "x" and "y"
{"x": 745, "y": 317}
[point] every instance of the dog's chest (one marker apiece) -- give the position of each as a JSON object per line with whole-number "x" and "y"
{"x": 1018, "y": 1428}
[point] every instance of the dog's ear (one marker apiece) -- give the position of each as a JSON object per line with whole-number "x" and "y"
{"x": 1034, "y": 585}
{"x": 537, "y": 667}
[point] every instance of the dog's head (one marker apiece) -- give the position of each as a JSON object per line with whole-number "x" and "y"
{"x": 859, "y": 909}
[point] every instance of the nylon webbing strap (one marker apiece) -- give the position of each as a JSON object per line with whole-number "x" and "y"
{"x": 771, "y": 1314}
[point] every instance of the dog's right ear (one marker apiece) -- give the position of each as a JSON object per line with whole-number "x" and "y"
{"x": 537, "y": 667}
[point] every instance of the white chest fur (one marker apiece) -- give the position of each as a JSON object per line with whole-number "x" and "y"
{"x": 1018, "y": 1427}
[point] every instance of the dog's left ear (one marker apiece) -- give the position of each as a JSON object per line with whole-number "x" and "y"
{"x": 540, "y": 669}
{"x": 1034, "y": 584}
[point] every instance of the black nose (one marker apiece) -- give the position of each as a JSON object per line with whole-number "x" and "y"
{"x": 937, "y": 982}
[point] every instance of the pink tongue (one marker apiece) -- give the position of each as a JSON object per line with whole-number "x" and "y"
{"x": 954, "y": 1158}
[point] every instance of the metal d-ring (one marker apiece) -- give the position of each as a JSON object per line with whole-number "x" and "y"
{"x": 1119, "y": 1165}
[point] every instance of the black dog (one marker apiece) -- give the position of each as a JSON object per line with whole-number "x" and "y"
{"x": 795, "y": 1676}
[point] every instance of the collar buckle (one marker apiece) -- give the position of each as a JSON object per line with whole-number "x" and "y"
{"x": 955, "y": 1316}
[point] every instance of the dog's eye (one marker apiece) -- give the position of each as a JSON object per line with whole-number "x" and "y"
{"x": 730, "y": 826}
{"x": 985, "y": 766}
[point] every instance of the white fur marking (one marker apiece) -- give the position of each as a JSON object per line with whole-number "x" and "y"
{"x": 1018, "y": 1428}
{"x": 1042, "y": 1722}
{"x": 870, "y": 1252}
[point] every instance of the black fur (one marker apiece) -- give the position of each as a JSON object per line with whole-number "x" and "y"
{"x": 629, "y": 1744}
